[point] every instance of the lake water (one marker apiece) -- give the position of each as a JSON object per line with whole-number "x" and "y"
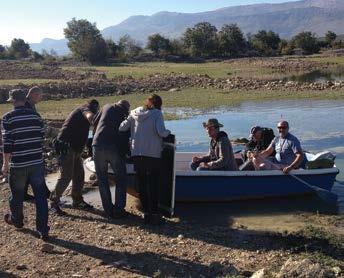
{"x": 317, "y": 123}
{"x": 319, "y": 76}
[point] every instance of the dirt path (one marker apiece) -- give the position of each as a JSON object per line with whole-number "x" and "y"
{"x": 84, "y": 244}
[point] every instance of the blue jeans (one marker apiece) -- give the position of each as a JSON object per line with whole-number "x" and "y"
{"x": 103, "y": 156}
{"x": 17, "y": 181}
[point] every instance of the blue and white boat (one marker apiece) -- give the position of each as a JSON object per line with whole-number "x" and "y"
{"x": 219, "y": 186}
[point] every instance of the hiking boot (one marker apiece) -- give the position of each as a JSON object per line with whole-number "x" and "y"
{"x": 9, "y": 221}
{"x": 83, "y": 206}
{"x": 56, "y": 209}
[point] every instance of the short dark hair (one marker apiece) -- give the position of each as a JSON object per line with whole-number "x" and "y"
{"x": 156, "y": 100}
{"x": 93, "y": 105}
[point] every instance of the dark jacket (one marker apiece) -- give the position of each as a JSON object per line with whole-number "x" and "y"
{"x": 107, "y": 133}
{"x": 221, "y": 154}
{"x": 75, "y": 129}
{"x": 261, "y": 145}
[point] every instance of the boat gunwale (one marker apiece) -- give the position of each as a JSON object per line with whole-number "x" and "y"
{"x": 264, "y": 173}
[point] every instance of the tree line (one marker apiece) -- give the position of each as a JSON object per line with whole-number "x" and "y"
{"x": 203, "y": 40}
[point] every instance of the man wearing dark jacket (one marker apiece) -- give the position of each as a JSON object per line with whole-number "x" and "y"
{"x": 260, "y": 139}
{"x": 110, "y": 147}
{"x": 70, "y": 143}
{"x": 220, "y": 156}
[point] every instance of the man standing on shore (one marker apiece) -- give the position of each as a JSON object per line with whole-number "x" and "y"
{"x": 69, "y": 145}
{"x": 33, "y": 97}
{"x": 23, "y": 131}
{"x": 110, "y": 147}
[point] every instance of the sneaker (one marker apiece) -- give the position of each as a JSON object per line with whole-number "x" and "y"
{"x": 9, "y": 221}
{"x": 154, "y": 219}
{"x": 56, "y": 209}
{"x": 83, "y": 206}
{"x": 117, "y": 214}
{"x": 44, "y": 236}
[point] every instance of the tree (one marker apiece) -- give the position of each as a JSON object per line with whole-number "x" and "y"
{"x": 330, "y": 38}
{"x": 266, "y": 43}
{"x": 307, "y": 42}
{"x": 19, "y": 49}
{"x": 158, "y": 44}
{"x": 2, "y": 52}
{"x": 286, "y": 47}
{"x": 128, "y": 47}
{"x": 177, "y": 47}
{"x": 231, "y": 41}
{"x": 201, "y": 40}
{"x": 85, "y": 41}
{"x": 112, "y": 49}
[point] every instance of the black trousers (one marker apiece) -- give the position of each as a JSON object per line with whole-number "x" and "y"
{"x": 148, "y": 175}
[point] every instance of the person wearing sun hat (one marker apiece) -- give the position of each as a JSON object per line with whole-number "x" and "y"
{"x": 220, "y": 156}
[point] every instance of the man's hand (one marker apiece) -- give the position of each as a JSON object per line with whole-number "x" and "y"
{"x": 5, "y": 169}
{"x": 195, "y": 159}
{"x": 204, "y": 165}
{"x": 287, "y": 169}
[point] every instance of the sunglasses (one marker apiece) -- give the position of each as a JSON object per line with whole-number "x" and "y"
{"x": 281, "y": 127}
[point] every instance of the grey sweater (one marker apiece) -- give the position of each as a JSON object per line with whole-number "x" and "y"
{"x": 147, "y": 129}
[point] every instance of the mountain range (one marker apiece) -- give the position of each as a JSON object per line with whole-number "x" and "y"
{"x": 287, "y": 19}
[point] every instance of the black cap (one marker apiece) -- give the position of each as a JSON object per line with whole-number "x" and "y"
{"x": 16, "y": 95}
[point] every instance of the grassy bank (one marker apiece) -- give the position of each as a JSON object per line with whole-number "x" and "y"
{"x": 239, "y": 68}
{"x": 194, "y": 98}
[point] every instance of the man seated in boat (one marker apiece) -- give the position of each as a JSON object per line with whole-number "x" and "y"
{"x": 220, "y": 156}
{"x": 259, "y": 140}
{"x": 288, "y": 150}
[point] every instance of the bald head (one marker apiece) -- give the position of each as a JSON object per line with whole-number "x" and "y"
{"x": 283, "y": 128}
{"x": 283, "y": 123}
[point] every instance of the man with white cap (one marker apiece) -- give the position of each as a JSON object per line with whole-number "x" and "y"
{"x": 110, "y": 147}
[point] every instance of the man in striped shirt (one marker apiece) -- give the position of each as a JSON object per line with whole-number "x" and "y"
{"x": 22, "y": 131}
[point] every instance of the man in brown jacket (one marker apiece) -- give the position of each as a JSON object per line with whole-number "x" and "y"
{"x": 220, "y": 156}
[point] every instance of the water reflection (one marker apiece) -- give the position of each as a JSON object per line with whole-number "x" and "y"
{"x": 318, "y": 76}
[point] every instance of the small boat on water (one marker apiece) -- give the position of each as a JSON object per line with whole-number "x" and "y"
{"x": 216, "y": 186}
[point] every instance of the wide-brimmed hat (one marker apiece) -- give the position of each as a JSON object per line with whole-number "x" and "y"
{"x": 16, "y": 95}
{"x": 212, "y": 122}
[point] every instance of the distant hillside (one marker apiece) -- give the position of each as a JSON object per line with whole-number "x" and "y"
{"x": 287, "y": 19}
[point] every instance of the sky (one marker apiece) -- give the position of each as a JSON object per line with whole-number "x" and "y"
{"x": 33, "y": 20}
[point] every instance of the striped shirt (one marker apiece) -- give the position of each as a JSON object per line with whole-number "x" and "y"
{"x": 22, "y": 136}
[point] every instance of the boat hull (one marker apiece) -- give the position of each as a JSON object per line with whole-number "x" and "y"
{"x": 220, "y": 188}
{"x": 227, "y": 188}
{"x": 217, "y": 186}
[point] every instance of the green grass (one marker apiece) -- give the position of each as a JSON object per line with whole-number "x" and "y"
{"x": 328, "y": 59}
{"x": 213, "y": 69}
{"x": 195, "y": 98}
{"x": 12, "y": 82}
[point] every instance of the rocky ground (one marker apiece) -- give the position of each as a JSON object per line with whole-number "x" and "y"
{"x": 84, "y": 244}
{"x": 72, "y": 84}
{"x": 26, "y": 70}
